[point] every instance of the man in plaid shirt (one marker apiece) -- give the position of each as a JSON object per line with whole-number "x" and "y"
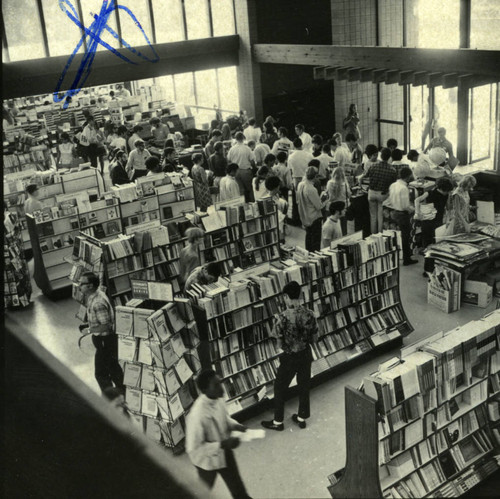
{"x": 100, "y": 318}
{"x": 381, "y": 176}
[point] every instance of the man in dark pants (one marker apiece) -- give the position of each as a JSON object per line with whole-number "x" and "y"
{"x": 294, "y": 329}
{"x": 208, "y": 441}
{"x": 100, "y": 320}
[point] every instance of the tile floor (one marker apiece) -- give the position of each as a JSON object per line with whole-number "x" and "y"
{"x": 294, "y": 463}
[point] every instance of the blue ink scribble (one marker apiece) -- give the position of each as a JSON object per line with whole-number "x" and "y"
{"x": 93, "y": 33}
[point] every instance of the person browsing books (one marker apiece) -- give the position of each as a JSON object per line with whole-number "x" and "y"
{"x": 205, "y": 274}
{"x": 189, "y": 256}
{"x": 209, "y": 443}
{"x": 332, "y": 228}
{"x": 100, "y": 318}
{"x": 294, "y": 329}
{"x": 153, "y": 165}
{"x": 117, "y": 169}
{"x": 136, "y": 166}
{"x": 228, "y": 187}
{"x": 32, "y": 204}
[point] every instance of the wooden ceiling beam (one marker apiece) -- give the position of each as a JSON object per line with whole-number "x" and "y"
{"x": 471, "y": 81}
{"x": 435, "y": 79}
{"x": 330, "y": 73}
{"x": 450, "y": 80}
{"x": 319, "y": 72}
{"x": 481, "y": 62}
{"x": 341, "y": 73}
{"x": 366, "y": 74}
{"x": 406, "y": 77}
{"x": 391, "y": 76}
{"x": 378, "y": 75}
{"x": 420, "y": 78}
{"x": 354, "y": 74}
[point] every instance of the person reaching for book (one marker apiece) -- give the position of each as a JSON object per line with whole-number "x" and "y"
{"x": 205, "y": 274}
{"x": 294, "y": 329}
{"x": 209, "y": 443}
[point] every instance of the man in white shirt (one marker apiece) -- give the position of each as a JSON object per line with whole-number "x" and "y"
{"x": 298, "y": 161}
{"x": 284, "y": 174}
{"x": 120, "y": 142}
{"x": 260, "y": 151}
{"x": 252, "y": 132}
{"x": 283, "y": 143}
{"x": 209, "y": 444}
{"x": 122, "y": 92}
{"x": 324, "y": 160}
{"x": 304, "y": 137}
{"x": 228, "y": 186}
{"x": 135, "y": 136}
{"x": 136, "y": 164}
{"x": 332, "y": 228}
{"x": 310, "y": 205}
{"x": 243, "y": 156}
{"x": 399, "y": 201}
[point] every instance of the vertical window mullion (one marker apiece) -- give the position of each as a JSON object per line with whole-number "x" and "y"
{"x": 44, "y": 31}
{"x": 219, "y": 104}
{"x": 5, "y": 44}
{"x": 118, "y": 25}
{"x": 184, "y": 20}
{"x": 210, "y": 19}
{"x": 194, "y": 89}
{"x": 152, "y": 21}
{"x": 80, "y": 15}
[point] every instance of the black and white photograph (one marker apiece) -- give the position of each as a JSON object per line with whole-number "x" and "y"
{"x": 251, "y": 249}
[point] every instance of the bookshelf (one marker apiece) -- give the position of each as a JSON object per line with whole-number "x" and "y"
{"x": 53, "y": 231}
{"x": 353, "y": 290}
{"x": 157, "y": 344}
{"x": 432, "y": 411}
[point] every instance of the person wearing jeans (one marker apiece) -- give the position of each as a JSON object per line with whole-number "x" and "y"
{"x": 399, "y": 201}
{"x": 381, "y": 175}
{"x": 295, "y": 329}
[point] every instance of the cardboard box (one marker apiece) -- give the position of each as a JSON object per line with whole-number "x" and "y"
{"x": 441, "y": 298}
{"x": 477, "y": 293}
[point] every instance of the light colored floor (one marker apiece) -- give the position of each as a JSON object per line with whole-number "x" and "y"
{"x": 294, "y": 463}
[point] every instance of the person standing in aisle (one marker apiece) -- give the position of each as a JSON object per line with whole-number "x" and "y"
{"x": 269, "y": 136}
{"x": 100, "y": 318}
{"x": 153, "y": 166}
{"x": 65, "y": 152}
{"x": 284, "y": 173}
{"x": 136, "y": 164}
{"x": 189, "y": 256}
{"x": 117, "y": 168}
{"x": 93, "y": 141}
{"x": 228, "y": 187}
{"x": 135, "y": 136}
{"x": 381, "y": 176}
{"x": 202, "y": 194}
{"x": 214, "y": 140}
{"x": 252, "y": 132}
{"x": 243, "y": 156}
{"x": 351, "y": 122}
{"x": 217, "y": 163}
{"x": 283, "y": 143}
{"x": 260, "y": 151}
{"x": 168, "y": 160}
{"x": 32, "y": 204}
{"x": 209, "y": 444}
{"x": 310, "y": 205}
{"x": 332, "y": 228}
{"x": 298, "y": 160}
{"x": 294, "y": 329}
{"x": 459, "y": 206}
{"x": 258, "y": 184}
{"x": 304, "y": 137}
{"x": 399, "y": 201}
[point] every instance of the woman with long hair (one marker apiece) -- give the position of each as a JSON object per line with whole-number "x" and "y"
{"x": 338, "y": 189}
{"x": 258, "y": 183}
{"x": 458, "y": 213}
{"x": 351, "y": 122}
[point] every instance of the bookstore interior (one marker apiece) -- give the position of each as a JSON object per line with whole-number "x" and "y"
{"x": 191, "y": 246}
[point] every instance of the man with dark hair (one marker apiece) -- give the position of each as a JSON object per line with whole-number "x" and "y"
{"x": 135, "y": 135}
{"x": 399, "y": 201}
{"x": 371, "y": 152}
{"x": 228, "y": 187}
{"x": 32, "y": 204}
{"x": 209, "y": 444}
{"x": 214, "y": 139}
{"x": 153, "y": 165}
{"x": 298, "y": 161}
{"x": 317, "y": 144}
{"x": 283, "y": 143}
{"x": 100, "y": 317}
{"x": 438, "y": 197}
{"x": 252, "y": 132}
{"x": 284, "y": 173}
{"x": 294, "y": 329}
{"x": 205, "y": 274}
{"x": 332, "y": 229}
{"x": 392, "y": 144}
{"x": 136, "y": 164}
{"x": 304, "y": 137}
{"x": 354, "y": 148}
{"x": 381, "y": 175}
{"x": 160, "y": 131}
{"x": 243, "y": 156}
{"x": 169, "y": 165}
{"x": 310, "y": 205}
{"x": 217, "y": 163}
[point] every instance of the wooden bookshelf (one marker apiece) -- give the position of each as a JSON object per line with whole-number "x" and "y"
{"x": 354, "y": 296}
{"x": 432, "y": 416}
{"x": 157, "y": 344}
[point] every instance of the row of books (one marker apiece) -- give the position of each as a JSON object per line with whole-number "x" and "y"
{"x": 239, "y": 341}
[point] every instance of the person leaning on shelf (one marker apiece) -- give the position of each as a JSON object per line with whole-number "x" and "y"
{"x": 228, "y": 187}
{"x": 117, "y": 168}
{"x": 205, "y": 274}
{"x": 100, "y": 318}
{"x": 332, "y": 228}
{"x": 32, "y": 204}
{"x": 209, "y": 443}
{"x": 189, "y": 256}
{"x": 295, "y": 329}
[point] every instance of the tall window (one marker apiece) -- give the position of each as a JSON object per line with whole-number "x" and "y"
{"x": 485, "y": 24}
{"x": 197, "y": 20}
{"x": 481, "y": 126}
{"x": 130, "y": 32}
{"x": 223, "y": 17}
{"x": 91, "y": 8}
{"x": 168, "y": 19}
{"x": 446, "y": 113}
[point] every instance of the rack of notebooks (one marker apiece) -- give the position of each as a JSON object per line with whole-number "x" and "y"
{"x": 52, "y": 230}
{"x": 435, "y": 417}
{"x": 352, "y": 288}
{"x": 157, "y": 341}
{"x": 466, "y": 268}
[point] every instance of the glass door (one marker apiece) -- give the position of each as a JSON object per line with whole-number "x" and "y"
{"x": 481, "y": 126}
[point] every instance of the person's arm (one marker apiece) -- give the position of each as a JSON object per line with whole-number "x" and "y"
{"x": 234, "y": 425}
{"x": 197, "y": 447}
{"x": 315, "y": 199}
{"x": 277, "y": 331}
{"x": 326, "y": 236}
{"x": 103, "y": 318}
{"x": 405, "y": 200}
{"x": 130, "y": 161}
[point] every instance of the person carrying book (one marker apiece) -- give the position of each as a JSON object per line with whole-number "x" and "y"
{"x": 100, "y": 318}
{"x": 205, "y": 274}
{"x": 209, "y": 443}
{"x": 294, "y": 329}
